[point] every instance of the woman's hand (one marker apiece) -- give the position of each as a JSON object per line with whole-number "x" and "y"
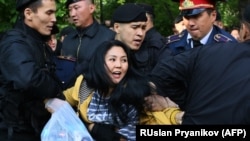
{"x": 53, "y": 104}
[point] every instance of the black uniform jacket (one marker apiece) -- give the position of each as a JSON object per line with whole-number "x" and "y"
{"x": 81, "y": 44}
{"x": 26, "y": 63}
{"x": 146, "y": 57}
{"x": 26, "y": 79}
{"x": 211, "y": 84}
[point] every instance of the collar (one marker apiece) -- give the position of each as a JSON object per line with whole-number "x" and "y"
{"x": 88, "y": 31}
{"x": 203, "y": 40}
{"x": 32, "y": 33}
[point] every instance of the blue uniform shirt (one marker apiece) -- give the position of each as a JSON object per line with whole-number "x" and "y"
{"x": 178, "y": 43}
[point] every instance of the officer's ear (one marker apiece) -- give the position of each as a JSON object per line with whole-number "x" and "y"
{"x": 92, "y": 8}
{"x": 116, "y": 27}
{"x": 213, "y": 15}
{"x": 28, "y": 13}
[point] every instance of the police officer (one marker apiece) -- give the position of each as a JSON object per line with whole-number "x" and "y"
{"x": 129, "y": 23}
{"x": 198, "y": 17}
{"x": 26, "y": 72}
{"x": 81, "y": 43}
{"x": 210, "y": 83}
{"x": 149, "y": 51}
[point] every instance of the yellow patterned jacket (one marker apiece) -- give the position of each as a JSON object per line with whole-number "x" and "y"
{"x": 165, "y": 117}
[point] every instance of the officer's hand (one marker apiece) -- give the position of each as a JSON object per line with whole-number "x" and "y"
{"x": 156, "y": 102}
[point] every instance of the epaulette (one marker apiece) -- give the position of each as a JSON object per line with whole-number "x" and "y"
{"x": 173, "y": 38}
{"x": 221, "y": 38}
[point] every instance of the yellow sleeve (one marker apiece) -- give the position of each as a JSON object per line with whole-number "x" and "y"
{"x": 71, "y": 94}
{"x": 165, "y": 117}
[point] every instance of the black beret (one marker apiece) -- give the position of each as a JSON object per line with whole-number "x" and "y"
{"x": 68, "y": 2}
{"x": 148, "y": 8}
{"x": 21, "y": 4}
{"x": 246, "y": 14}
{"x": 129, "y": 12}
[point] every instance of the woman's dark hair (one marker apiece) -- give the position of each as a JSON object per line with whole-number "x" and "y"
{"x": 130, "y": 91}
{"x": 96, "y": 76}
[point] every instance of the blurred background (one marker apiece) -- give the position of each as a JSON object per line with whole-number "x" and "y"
{"x": 165, "y": 13}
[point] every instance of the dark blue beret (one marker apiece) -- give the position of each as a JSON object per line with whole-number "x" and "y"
{"x": 129, "y": 12}
{"x": 21, "y": 4}
{"x": 68, "y": 2}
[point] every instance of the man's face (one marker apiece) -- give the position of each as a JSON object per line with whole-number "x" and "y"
{"x": 132, "y": 34}
{"x": 179, "y": 27}
{"x": 44, "y": 18}
{"x": 199, "y": 25}
{"x": 116, "y": 61}
{"x": 81, "y": 13}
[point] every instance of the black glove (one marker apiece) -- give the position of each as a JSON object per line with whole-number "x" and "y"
{"x": 105, "y": 132}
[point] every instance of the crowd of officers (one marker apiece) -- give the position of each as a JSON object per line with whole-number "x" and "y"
{"x": 203, "y": 69}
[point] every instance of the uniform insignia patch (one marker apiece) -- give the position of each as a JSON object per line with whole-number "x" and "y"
{"x": 221, "y": 38}
{"x": 173, "y": 38}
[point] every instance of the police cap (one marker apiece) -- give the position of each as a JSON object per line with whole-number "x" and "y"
{"x": 129, "y": 12}
{"x": 148, "y": 8}
{"x": 194, "y": 7}
{"x": 21, "y": 4}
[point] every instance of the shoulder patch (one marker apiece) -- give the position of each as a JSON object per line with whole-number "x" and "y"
{"x": 221, "y": 38}
{"x": 173, "y": 38}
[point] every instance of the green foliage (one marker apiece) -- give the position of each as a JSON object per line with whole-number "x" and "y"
{"x": 165, "y": 11}
{"x": 62, "y": 14}
{"x": 230, "y": 13}
{"x": 8, "y": 14}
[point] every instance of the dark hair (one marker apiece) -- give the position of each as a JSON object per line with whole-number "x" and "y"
{"x": 130, "y": 91}
{"x": 210, "y": 10}
{"x": 33, "y": 5}
{"x": 97, "y": 77}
